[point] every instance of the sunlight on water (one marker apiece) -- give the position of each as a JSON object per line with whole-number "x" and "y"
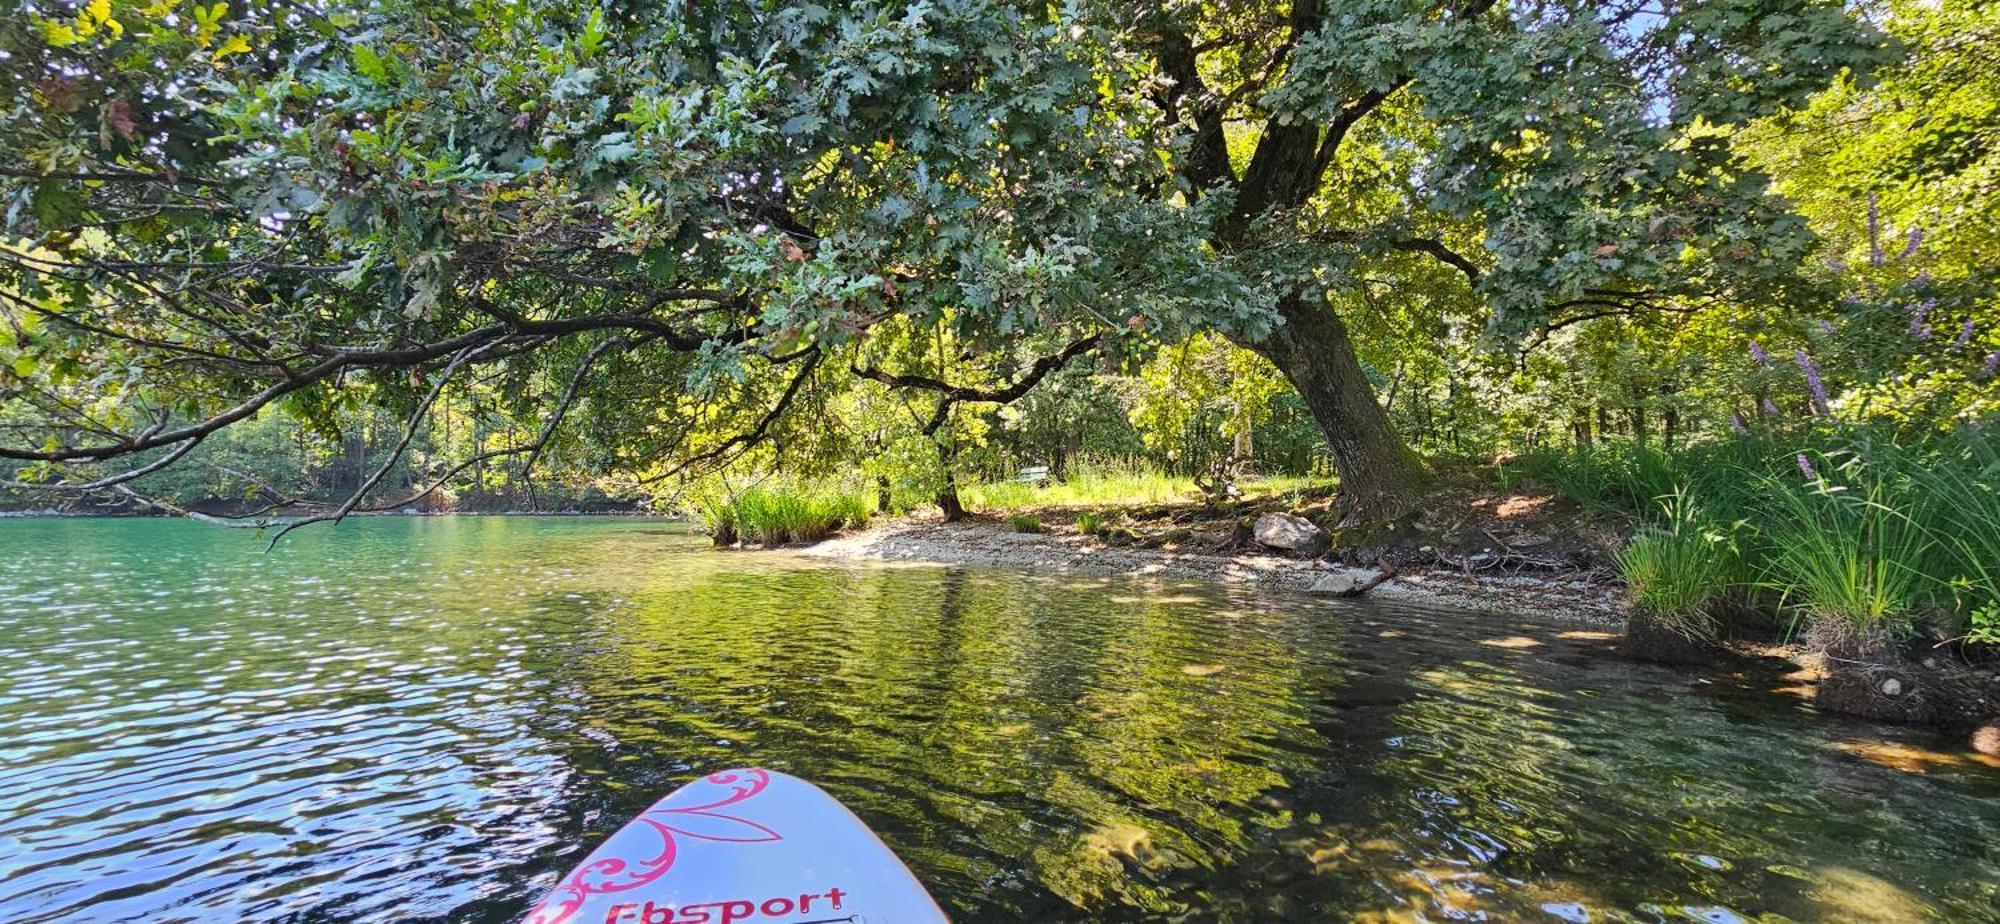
{"x": 430, "y": 719}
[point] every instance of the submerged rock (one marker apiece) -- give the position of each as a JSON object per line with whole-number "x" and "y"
{"x": 1291, "y": 533}
{"x": 1869, "y": 675}
{"x": 1886, "y": 692}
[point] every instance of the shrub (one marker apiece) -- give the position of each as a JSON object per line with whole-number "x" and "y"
{"x": 1025, "y": 523}
{"x": 1089, "y": 524}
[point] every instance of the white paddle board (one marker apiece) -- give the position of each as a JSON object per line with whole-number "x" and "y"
{"x": 741, "y": 847}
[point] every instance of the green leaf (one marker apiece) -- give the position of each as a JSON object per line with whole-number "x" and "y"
{"x": 369, "y": 64}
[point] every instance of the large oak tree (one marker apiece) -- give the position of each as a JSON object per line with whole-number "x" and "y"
{"x": 209, "y": 212}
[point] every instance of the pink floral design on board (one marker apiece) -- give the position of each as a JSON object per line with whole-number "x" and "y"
{"x": 672, "y": 823}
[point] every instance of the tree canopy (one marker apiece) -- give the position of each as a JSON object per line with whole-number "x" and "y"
{"x": 717, "y": 227}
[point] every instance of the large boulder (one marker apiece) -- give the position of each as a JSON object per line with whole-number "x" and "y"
{"x": 1289, "y": 533}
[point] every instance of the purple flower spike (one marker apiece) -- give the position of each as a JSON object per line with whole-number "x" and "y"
{"x": 1806, "y": 466}
{"x": 1826, "y": 327}
{"x": 1770, "y": 408}
{"x": 1916, "y": 241}
{"x": 1757, "y": 353}
{"x": 1992, "y": 365}
{"x": 1965, "y": 332}
{"x": 1920, "y": 319}
{"x": 1736, "y": 424}
{"x": 1874, "y": 232}
{"x": 1814, "y": 383}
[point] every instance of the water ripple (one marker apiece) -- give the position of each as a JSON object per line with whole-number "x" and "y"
{"x": 430, "y": 719}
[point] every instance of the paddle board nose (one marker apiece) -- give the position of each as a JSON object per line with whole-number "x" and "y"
{"x": 747, "y": 846}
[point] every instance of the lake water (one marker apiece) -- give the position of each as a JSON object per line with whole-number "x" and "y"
{"x": 417, "y": 719}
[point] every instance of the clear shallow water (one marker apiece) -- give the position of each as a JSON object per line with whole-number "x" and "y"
{"x": 431, "y": 718}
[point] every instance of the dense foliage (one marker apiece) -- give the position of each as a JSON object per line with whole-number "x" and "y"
{"x": 679, "y": 238}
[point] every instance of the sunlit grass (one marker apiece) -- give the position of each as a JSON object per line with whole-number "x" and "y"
{"x": 777, "y": 514}
{"x": 1091, "y": 488}
{"x": 1676, "y": 571}
{"x": 1083, "y": 489}
{"x": 1847, "y": 559}
{"x": 1855, "y": 530}
{"x": 1025, "y": 523}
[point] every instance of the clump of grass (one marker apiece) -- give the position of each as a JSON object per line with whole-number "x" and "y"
{"x": 1851, "y": 561}
{"x": 775, "y": 515}
{"x": 1965, "y": 496}
{"x": 1025, "y": 523}
{"x": 1678, "y": 570}
{"x": 719, "y": 518}
{"x": 1000, "y": 495}
{"x": 1089, "y": 524}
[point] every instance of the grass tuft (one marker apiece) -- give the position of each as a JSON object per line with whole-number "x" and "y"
{"x": 775, "y": 515}
{"x": 1678, "y": 570}
{"x": 1847, "y": 559}
{"x": 1092, "y": 487}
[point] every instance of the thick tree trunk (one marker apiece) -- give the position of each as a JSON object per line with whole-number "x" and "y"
{"x": 948, "y": 502}
{"x": 1378, "y": 476}
{"x": 947, "y": 496}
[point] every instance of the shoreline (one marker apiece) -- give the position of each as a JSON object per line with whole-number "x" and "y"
{"x": 989, "y": 543}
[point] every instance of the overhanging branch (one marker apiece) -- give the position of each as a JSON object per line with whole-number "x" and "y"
{"x": 950, "y": 394}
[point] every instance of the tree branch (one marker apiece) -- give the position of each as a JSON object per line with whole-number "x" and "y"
{"x": 954, "y": 394}
{"x": 395, "y": 455}
{"x": 111, "y": 481}
{"x": 562, "y": 409}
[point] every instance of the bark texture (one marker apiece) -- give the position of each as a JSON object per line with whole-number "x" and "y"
{"x": 1378, "y": 476}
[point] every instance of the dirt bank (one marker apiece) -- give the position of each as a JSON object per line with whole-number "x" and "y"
{"x": 1063, "y": 551}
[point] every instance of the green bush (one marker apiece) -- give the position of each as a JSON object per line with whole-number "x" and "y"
{"x": 1089, "y": 524}
{"x": 1025, "y": 523}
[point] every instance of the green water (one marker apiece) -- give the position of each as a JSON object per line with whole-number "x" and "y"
{"x": 432, "y": 718}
